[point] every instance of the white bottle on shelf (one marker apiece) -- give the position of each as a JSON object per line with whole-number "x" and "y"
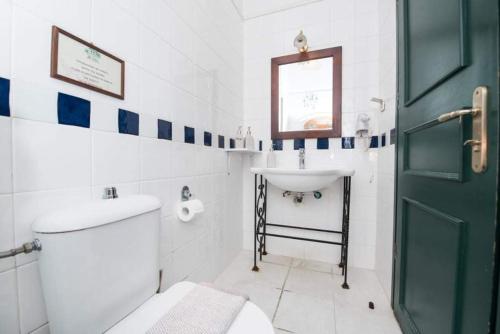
{"x": 239, "y": 141}
{"x": 249, "y": 141}
{"x": 271, "y": 159}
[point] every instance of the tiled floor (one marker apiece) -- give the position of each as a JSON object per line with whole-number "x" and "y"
{"x": 306, "y": 297}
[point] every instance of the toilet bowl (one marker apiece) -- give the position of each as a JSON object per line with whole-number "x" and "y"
{"x": 251, "y": 319}
{"x": 99, "y": 267}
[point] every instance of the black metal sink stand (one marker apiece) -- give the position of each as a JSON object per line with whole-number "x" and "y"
{"x": 260, "y": 226}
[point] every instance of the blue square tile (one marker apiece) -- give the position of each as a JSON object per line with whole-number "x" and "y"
{"x": 260, "y": 145}
{"x": 374, "y": 142}
{"x": 298, "y": 143}
{"x": 72, "y": 110}
{"x": 278, "y": 144}
{"x": 231, "y": 143}
{"x": 207, "y": 138}
{"x": 347, "y": 142}
{"x": 4, "y": 97}
{"x": 222, "y": 144}
{"x": 322, "y": 144}
{"x": 382, "y": 140}
{"x": 393, "y": 136}
{"x": 188, "y": 135}
{"x": 164, "y": 129}
{"x": 128, "y": 122}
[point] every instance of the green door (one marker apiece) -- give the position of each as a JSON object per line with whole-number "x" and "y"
{"x": 445, "y": 211}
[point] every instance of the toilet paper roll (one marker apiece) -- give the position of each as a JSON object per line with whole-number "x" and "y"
{"x": 186, "y": 210}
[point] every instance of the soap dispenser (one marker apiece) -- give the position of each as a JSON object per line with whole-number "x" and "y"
{"x": 249, "y": 141}
{"x": 239, "y": 141}
{"x": 271, "y": 159}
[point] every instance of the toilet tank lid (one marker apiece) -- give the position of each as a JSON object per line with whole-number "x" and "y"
{"x": 95, "y": 213}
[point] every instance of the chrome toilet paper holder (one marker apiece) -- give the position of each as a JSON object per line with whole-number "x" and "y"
{"x": 185, "y": 194}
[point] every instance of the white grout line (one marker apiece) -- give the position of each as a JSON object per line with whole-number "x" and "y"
{"x": 244, "y": 18}
{"x": 240, "y": 13}
{"x": 282, "y": 289}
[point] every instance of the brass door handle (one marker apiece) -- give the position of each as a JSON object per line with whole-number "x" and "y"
{"x": 479, "y": 140}
{"x": 457, "y": 113}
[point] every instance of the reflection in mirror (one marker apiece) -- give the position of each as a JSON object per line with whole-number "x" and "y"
{"x": 306, "y": 95}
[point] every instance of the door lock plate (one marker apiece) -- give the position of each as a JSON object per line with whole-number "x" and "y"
{"x": 479, "y": 140}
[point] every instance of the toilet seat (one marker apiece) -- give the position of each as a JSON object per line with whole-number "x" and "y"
{"x": 250, "y": 320}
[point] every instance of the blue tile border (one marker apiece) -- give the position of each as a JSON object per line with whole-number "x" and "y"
{"x": 72, "y": 110}
{"x": 299, "y": 143}
{"x": 128, "y": 122}
{"x": 207, "y": 138}
{"x": 4, "y": 97}
{"x": 189, "y": 135}
{"x": 76, "y": 111}
{"x": 164, "y": 129}
{"x": 347, "y": 142}
{"x": 322, "y": 144}
{"x": 393, "y": 136}
{"x": 278, "y": 144}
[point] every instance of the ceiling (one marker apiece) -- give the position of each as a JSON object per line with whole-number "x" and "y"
{"x": 249, "y": 9}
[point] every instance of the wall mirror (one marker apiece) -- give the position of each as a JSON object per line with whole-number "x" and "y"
{"x": 306, "y": 95}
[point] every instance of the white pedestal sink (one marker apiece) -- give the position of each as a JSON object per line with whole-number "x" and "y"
{"x": 302, "y": 180}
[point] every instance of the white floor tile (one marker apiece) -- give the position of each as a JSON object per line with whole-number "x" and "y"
{"x": 305, "y": 314}
{"x": 311, "y": 283}
{"x": 42, "y": 330}
{"x": 239, "y": 272}
{"x": 355, "y": 320}
{"x": 303, "y": 296}
{"x": 312, "y": 265}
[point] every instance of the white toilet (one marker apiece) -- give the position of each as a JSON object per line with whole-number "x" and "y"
{"x": 99, "y": 266}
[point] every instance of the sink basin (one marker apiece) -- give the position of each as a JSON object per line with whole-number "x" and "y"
{"x": 302, "y": 180}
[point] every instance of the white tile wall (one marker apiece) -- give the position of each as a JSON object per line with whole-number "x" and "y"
{"x": 50, "y": 156}
{"x": 175, "y": 70}
{"x": 5, "y": 36}
{"x": 387, "y": 120}
{"x": 31, "y": 303}
{"x": 9, "y": 302}
{"x": 328, "y": 23}
{"x": 6, "y": 230}
{"x": 5, "y": 155}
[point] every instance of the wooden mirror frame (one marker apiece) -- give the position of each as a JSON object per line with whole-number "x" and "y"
{"x": 336, "y": 130}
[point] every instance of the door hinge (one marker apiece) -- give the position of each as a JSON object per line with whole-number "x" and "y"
{"x": 394, "y": 250}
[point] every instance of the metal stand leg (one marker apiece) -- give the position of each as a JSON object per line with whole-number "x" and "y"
{"x": 255, "y": 268}
{"x": 346, "y": 210}
{"x": 260, "y": 216}
{"x": 264, "y": 252}
{"x": 260, "y": 213}
{"x": 342, "y": 249}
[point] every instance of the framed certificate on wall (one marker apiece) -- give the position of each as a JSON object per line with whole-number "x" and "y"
{"x": 79, "y": 62}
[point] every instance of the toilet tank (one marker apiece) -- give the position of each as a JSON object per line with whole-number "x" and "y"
{"x": 99, "y": 262}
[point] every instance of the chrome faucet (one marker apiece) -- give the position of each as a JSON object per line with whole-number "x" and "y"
{"x": 302, "y": 158}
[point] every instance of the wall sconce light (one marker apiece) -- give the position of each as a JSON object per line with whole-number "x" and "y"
{"x": 380, "y": 102}
{"x": 300, "y": 42}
